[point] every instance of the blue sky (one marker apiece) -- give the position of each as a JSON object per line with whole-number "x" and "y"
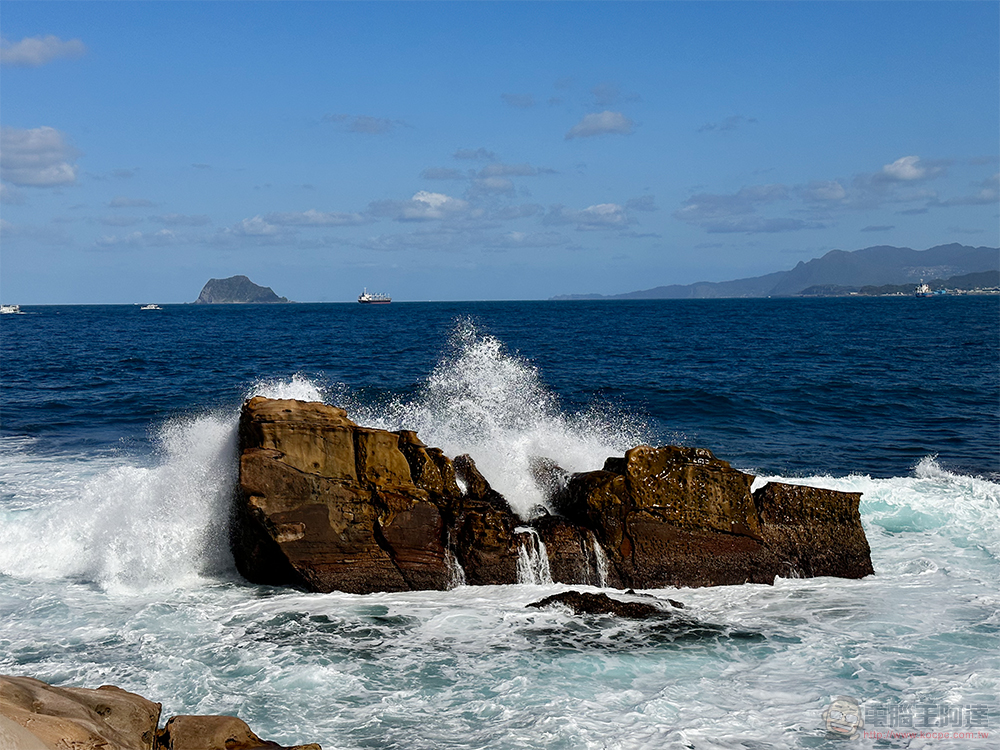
{"x": 482, "y": 150}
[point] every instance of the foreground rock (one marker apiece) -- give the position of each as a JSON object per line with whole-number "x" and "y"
{"x": 325, "y": 504}
{"x": 38, "y": 716}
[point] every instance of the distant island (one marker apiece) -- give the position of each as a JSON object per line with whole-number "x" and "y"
{"x": 236, "y": 290}
{"x": 878, "y": 270}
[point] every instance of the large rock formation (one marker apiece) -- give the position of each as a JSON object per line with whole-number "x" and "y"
{"x": 236, "y": 290}
{"x": 326, "y": 504}
{"x": 38, "y": 716}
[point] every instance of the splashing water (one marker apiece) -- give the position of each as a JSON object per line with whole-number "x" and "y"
{"x": 488, "y": 402}
{"x": 532, "y": 558}
{"x": 126, "y": 526}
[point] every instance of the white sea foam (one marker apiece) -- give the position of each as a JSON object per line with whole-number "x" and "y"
{"x": 486, "y": 401}
{"x": 125, "y": 522}
{"x": 473, "y": 667}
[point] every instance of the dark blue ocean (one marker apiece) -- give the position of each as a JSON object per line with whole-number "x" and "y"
{"x": 830, "y": 385}
{"x": 117, "y": 462}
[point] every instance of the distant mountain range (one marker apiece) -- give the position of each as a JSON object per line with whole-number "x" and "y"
{"x": 840, "y": 270}
{"x": 236, "y": 290}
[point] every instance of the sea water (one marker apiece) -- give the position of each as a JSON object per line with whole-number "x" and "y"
{"x": 117, "y": 464}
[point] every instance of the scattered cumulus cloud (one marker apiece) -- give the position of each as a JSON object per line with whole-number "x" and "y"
{"x": 37, "y": 157}
{"x": 423, "y": 206}
{"x": 601, "y": 123}
{"x": 363, "y": 123}
{"x": 255, "y": 227}
{"x": 520, "y": 101}
{"x": 908, "y": 169}
{"x": 597, "y": 217}
{"x": 32, "y": 52}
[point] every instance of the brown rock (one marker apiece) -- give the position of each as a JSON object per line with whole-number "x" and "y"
{"x": 328, "y": 505}
{"x": 814, "y": 532}
{"x": 216, "y": 733}
{"x": 104, "y": 719}
{"x": 681, "y": 517}
{"x": 572, "y": 557}
{"x": 485, "y": 542}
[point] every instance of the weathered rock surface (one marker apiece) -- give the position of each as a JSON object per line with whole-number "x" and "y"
{"x": 37, "y": 716}
{"x": 682, "y": 517}
{"x": 326, "y": 504}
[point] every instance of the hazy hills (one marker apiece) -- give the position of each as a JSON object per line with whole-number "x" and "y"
{"x": 872, "y": 266}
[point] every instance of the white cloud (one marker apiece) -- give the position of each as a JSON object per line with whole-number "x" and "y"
{"x": 601, "y": 123}
{"x": 38, "y": 50}
{"x": 906, "y": 168}
{"x": 423, "y": 206}
{"x": 39, "y": 157}
{"x": 255, "y": 227}
{"x": 314, "y": 218}
{"x": 600, "y": 216}
{"x": 819, "y": 191}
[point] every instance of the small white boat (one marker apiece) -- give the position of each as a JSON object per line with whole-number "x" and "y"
{"x": 373, "y": 298}
{"x": 923, "y": 290}
{"x": 150, "y": 307}
{"x": 10, "y": 309}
